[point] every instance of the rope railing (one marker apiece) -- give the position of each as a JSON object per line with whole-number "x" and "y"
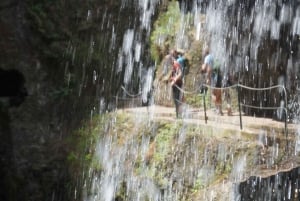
{"x": 129, "y": 94}
{"x": 196, "y": 91}
{"x": 261, "y": 89}
{"x": 261, "y": 107}
{"x": 129, "y": 98}
{"x": 126, "y": 98}
{"x": 238, "y": 87}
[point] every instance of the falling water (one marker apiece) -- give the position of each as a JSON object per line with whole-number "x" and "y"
{"x": 238, "y": 33}
{"x": 258, "y": 40}
{"x": 118, "y": 163}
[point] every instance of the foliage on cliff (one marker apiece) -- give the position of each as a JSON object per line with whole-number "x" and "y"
{"x": 176, "y": 30}
{"x": 66, "y": 51}
{"x": 164, "y": 32}
{"x": 189, "y": 161}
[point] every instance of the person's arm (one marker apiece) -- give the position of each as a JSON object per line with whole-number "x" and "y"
{"x": 166, "y": 66}
{"x": 204, "y": 68}
{"x": 177, "y": 76}
{"x": 209, "y": 72}
{"x": 205, "y": 65}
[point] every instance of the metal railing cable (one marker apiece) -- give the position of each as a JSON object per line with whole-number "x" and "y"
{"x": 239, "y": 86}
{"x": 269, "y": 108}
{"x": 263, "y": 107}
{"x": 261, "y": 89}
{"x": 196, "y": 91}
{"x": 129, "y": 94}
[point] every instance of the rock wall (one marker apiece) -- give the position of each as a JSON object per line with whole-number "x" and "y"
{"x": 67, "y": 52}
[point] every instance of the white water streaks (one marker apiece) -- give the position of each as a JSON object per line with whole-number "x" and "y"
{"x": 245, "y": 26}
{"x": 147, "y": 84}
{"x": 118, "y": 163}
{"x": 296, "y": 23}
{"x": 147, "y": 10}
{"x": 238, "y": 169}
{"x": 132, "y": 53}
{"x": 297, "y": 143}
{"x": 127, "y": 56}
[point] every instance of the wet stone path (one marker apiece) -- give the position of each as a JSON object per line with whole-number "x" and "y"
{"x": 243, "y": 123}
{"x": 252, "y": 127}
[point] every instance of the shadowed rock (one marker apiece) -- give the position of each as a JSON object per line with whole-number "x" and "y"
{"x": 12, "y": 86}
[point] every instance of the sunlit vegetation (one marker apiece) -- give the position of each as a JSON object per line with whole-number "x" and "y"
{"x": 210, "y": 156}
{"x": 82, "y": 144}
{"x": 169, "y": 143}
{"x": 163, "y": 39}
{"x": 164, "y": 31}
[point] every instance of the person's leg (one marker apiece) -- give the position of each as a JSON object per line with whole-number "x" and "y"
{"x": 213, "y": 97}
{"x": 228, "y": 101}
{"x": 218, "y": 100}
{"x": 177, "y": 97}
{"x": 180, "y": 101}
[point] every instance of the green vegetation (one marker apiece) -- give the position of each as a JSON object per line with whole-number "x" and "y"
{"x": 174, "y": 147}
{"x": 165, "y": 37}
{"x": 82, "y": 144}
{"x": 164, "y": 32}
{"x": 164, "y": 138}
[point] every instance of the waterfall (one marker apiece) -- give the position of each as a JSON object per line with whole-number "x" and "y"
{"x": 249, "y": 38}
{"x": 117, "y": 164}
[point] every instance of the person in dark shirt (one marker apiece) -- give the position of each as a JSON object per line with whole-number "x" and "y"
{"x": 176, "y": 84}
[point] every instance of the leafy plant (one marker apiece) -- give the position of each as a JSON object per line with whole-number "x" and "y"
{"x": 165, "y": 29}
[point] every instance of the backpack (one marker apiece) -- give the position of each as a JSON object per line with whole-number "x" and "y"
{"x": 184, "y": 64}
{"x": 217, "y": 78}
{"x": 217, "y": 75}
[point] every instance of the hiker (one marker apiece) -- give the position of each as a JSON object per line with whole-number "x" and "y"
{"x": 167, "y": 64}
{"x": 183, "y": 63}
{"x": 214, "y": 79}
{"x": 162, "y": 82}
{"x": 176, "y": 84}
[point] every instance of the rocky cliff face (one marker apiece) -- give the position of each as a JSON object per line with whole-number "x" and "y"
{"x": 66, "y": 53}
{"x": 256, "y": 43}
{"x": 147, "y": 154}
{"x": 72, "y": 56}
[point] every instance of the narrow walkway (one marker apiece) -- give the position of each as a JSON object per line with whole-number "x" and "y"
{"x": 196, "y": 116}
{"x": 253, "y": 127}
